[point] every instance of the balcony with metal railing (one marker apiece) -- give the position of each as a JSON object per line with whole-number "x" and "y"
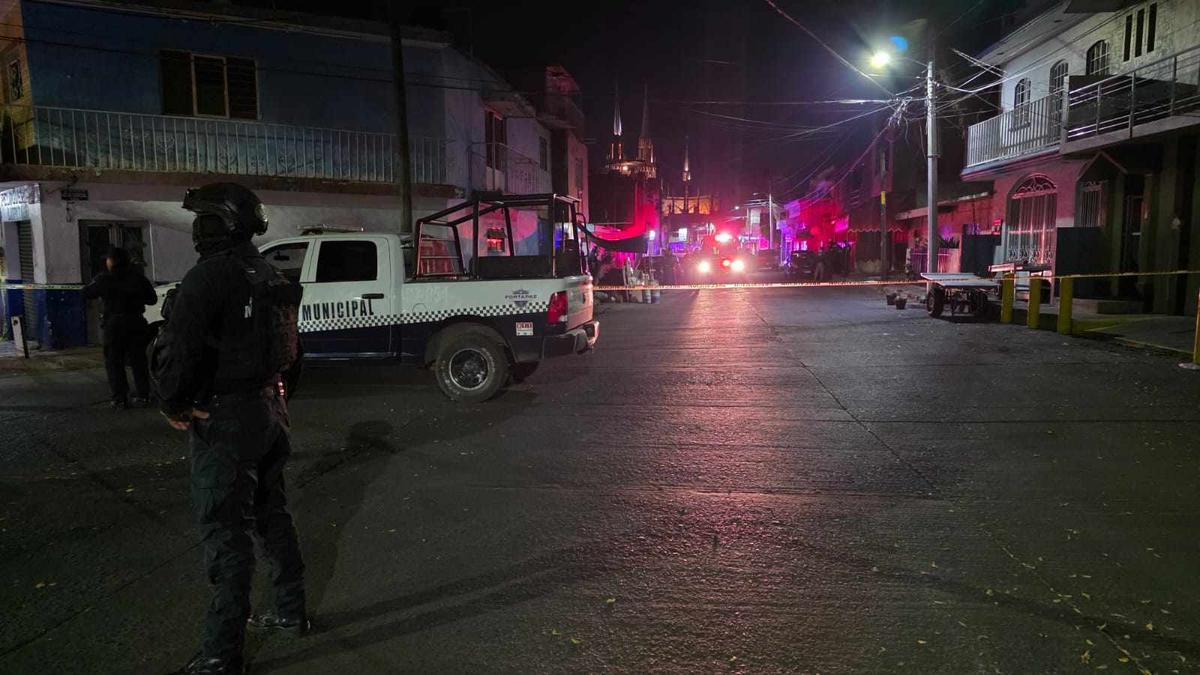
{"x": 1150, "y": 99}
{"x": 500, "y": 168}
{"x": 66, "y": 138}
{"x": 1029, "y": 129}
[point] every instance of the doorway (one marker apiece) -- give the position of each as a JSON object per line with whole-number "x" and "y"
{"x": 95, "y": 238}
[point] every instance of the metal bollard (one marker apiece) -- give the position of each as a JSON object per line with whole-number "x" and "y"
{"x": 1008, "y": 291}
{"x": 1066, "y": 297}
{"x": 1034, "y": 313}
{"x": 1196, "y": 346}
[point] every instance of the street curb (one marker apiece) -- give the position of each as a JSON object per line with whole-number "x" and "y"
{"x": 1136, "y": 344}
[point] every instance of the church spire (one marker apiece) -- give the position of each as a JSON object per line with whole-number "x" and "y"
{"x": 687, "y": 169}
{"x": 616, "y": 111}
{"x": 616, "y": 151}
{"x": 645, "y": 145}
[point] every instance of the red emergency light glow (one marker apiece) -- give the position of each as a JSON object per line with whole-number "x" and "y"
{"x": 724, "y": 237}
{"x": 726, "y": 263}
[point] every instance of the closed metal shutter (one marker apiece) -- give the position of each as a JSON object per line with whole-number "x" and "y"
{"x": 30, "y": 318}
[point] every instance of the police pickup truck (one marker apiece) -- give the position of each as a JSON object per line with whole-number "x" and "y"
{"x": 479, "y": 321}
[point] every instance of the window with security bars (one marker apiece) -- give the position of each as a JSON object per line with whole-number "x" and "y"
{"x": 1032, "y": 222}
{"x": 208, "y": 86}
{"x": 1090, "y": 208}
{"x": 1058, "y": 90}
{"x": 1097, "y": 58}
{"x": 1021, "y": 111}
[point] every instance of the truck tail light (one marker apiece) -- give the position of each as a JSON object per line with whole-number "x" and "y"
{"x": 557, "y": 312}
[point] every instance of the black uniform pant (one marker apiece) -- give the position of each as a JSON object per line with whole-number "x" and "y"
{"x": 238, "y": 455}
{"x": 125, "y": 339}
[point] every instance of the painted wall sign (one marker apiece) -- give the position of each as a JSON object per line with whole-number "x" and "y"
{"x": 14, "y": 202}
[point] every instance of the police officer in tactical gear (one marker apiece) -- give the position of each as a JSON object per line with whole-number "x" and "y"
{"x": 217, "y": 363}
{"x": 125, "y": 293}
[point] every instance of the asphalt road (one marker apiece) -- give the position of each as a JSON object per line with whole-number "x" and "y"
{"x": 735, "y": 481}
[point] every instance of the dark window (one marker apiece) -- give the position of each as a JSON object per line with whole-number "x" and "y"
{"x": 543, "y": 154}
{"x": 495, "y": 138}
{"x": 16, "y": 81}
{"x": 1141, "y": 23}
{"x": 1128, "y": 35}
{"x": 176, "y": 83}
{"x": 242, "y": 77}
{"x": 1151, "y": 27}
{"x": 288, "y": 259}
{"x": 347, "y": 261}
{"x": 212, "y": 86}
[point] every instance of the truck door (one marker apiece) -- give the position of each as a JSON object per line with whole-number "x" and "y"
{"x": 349, "y": 303}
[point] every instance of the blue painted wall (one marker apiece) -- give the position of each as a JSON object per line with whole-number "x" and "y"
{"x": 103, "y": 59}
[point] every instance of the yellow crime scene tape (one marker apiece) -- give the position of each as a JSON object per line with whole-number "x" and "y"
{"x": 44, "y": 287}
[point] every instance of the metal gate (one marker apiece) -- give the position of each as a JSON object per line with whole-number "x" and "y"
{"x": 30, "y": 317}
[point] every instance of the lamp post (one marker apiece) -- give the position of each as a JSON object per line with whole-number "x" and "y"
{"x": 931, "y": 186}
{"x": 880, "y": 60}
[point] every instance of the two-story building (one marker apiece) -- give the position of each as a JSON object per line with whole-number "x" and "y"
{"x": 113, "y": 109}
{"x": 1094, "y": 157}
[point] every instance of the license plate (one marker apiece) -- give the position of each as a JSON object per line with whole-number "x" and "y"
{"x": 524, "y": 328}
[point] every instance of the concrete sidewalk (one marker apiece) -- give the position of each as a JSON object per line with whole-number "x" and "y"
{"x": 13, "y": 361}
{"x": 1175, "y": 334}
{"x": 1160, "y": 332}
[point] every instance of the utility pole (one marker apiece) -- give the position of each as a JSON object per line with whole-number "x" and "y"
{"x": 770, "y": 219}
{"x": 883, "y": 223}
{"x": 932, "y": 168}
{"x": 403, "y": 159}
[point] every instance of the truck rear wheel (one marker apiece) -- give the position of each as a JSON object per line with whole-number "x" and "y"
{"x": 471, "y": 367}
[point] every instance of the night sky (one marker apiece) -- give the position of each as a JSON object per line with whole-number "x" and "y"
{"x": 738, "y": 51}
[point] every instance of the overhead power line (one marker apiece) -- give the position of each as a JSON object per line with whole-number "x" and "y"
{"x": 839, "y": 57}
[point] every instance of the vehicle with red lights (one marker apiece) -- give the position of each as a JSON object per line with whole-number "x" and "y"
{"x": 719, "y": 260}
{"x": 479, "y": 322}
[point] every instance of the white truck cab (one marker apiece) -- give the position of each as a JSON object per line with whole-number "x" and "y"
{"x": 364, "y": 298}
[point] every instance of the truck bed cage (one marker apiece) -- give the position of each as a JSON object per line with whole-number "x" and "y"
{"x": 560, "y": 210}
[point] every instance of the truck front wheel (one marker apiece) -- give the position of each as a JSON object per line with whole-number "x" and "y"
{"x": 471, "y": 367}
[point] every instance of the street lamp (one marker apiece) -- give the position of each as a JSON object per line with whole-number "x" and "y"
{"x": 879, "y": 60}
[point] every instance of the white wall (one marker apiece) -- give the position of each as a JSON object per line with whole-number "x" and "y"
{"x": 1178, "y": 28}
{"x": 169, "y": 249}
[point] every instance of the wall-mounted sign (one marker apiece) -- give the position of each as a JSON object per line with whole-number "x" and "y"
{"x": 73, "y": 195}
{"x": 14, "y": 202}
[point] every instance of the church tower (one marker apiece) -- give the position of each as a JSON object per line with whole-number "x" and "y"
{"x": 645, "y": 145}
{"x": 687, "y": 168}
{"x": 616, "y": 151}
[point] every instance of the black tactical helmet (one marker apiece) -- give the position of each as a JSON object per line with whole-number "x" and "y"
{"x": 239, "y": 208}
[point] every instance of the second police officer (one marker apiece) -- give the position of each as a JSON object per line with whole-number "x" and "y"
{"x": 217, "y": 367}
